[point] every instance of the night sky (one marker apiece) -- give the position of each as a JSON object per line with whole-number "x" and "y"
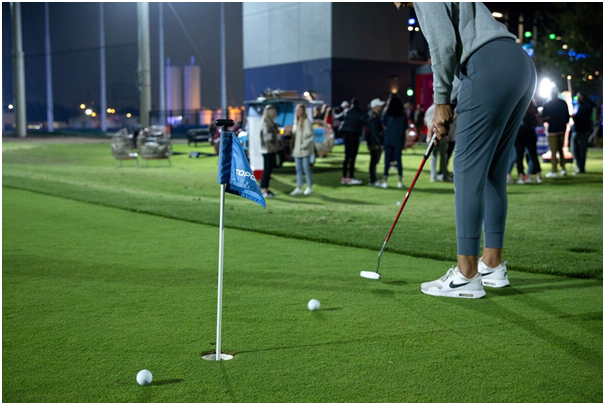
{"x": 75, "y": 55}
{"x": 74, "y": 31}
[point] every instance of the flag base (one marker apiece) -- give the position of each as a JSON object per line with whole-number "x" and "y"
{"x": 212, "y": 356}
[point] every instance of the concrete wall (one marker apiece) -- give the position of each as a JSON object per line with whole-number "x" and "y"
{"x": 370, "y": 31}
{"x": 281, "y": 33}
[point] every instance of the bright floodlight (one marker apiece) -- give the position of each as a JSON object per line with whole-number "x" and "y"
{"x": 88, "y": 112}
{"x": 546, "y": 86}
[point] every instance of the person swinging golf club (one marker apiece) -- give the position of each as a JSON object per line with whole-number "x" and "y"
{"x": 497, "y": 83}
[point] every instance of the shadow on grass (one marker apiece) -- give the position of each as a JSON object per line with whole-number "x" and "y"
{"x": 169, "y": 381}
{"x": 572, "y": 347}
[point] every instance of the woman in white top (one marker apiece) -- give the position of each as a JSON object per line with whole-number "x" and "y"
{"x": 302, "y": 149}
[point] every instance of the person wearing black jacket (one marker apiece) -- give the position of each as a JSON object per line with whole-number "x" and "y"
{"x": 555, "y": 112}
{"x": 350, "y": 127}
{"x": 375, "y": 137}
{"x": 581, "y": 132}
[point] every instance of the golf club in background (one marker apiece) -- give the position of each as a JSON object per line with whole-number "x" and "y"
{"x": 375, "y": 275}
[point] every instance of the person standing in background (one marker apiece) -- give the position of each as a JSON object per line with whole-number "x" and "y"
{"x": 395, "y": 122}
{"x": 270, "y": 145}
{"x": 527, "y": 139}
{"x": 302, "y": 141}
{"x": 556, "y": 113}
{"x": 375, "y": 138}
{"x": 350, "y": 128}
{"x": 581, "y": 131}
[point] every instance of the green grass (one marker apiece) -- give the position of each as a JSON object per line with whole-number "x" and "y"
{"x": 554, "y": 228}
{"x": 92, "y": 295}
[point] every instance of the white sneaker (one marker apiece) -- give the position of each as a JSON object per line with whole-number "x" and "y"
{"x": 509, "y": 180}
{"x": 493, "y": 277}
{"x": 296, "y": 191}
{"x": 454, "y": 284}
{"x": 550, "y": 175}
{"x": 520, "y": 181}
{"x": 355, "y": 182}
{"x": 268, "y": 195}
{"x": 308, "y": 191}
{"x": 539, "y": 179}
{"x": 563, "y": 172}
{"x": 384, "y": 185}
{"x": 399, "y": 184}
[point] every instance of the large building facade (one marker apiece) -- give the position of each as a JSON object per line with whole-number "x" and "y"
{"x": 335, "y": 51}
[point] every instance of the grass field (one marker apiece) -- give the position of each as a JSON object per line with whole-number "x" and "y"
{"x": 92, "y": 293}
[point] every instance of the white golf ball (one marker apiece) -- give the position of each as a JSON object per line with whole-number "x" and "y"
{"x": 144, "y": 377}
{"x": 313, "y": 305}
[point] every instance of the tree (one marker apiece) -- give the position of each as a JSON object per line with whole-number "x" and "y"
{"x": 571, "y": 44}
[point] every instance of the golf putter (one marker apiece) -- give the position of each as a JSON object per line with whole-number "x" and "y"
{"x": 375, "y": 275}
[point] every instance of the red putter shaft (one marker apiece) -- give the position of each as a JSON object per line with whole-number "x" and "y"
{"x": 428, "y": 152}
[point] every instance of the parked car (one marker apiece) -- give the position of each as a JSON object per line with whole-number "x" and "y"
{"x": 285, "y": 103}
{"x": 202, "y": 134}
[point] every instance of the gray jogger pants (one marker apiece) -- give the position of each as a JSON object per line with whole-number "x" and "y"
{"x": 497, "y": 84}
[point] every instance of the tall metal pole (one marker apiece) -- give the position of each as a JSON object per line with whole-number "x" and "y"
{"x": 18, "y": 71}
{"x": 49, "y": 77}
{"x": 102, "y": 66}
{"x": 221, "y": 250}
{"x": 223, "y": 65}
{"x": 144, "y": 66}
{"x": 520, "y": 28}
{"x": 162, "y": 68}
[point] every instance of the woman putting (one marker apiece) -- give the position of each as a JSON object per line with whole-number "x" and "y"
{"x": 498, "y": 80}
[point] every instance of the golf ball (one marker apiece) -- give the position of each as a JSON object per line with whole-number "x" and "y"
{"x": 144, "y": 377}
{"x": 313, "y": 305}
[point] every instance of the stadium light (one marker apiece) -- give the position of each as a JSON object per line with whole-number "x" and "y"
{"x": 546, "y": 86}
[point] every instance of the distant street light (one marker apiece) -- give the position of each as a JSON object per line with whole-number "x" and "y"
{"x": 565, "y": 46}
{"x": 410, "y": 92}
{"x": 416, "y": 29}
{"x": 546, "y": 86}
{"x": 82, "y": 106}
{"x": 10, "y": 106}
{"x": 88, "y": 112}
{"x": 128, "y": 115}
{"x": 412, "y": 21}
{"x": 496, "y": 14}
{"x": 410, "y": 28}
{"x": 94, "y": 114}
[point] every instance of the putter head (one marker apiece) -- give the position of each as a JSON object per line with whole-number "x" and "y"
{"x": 370, "y": 274}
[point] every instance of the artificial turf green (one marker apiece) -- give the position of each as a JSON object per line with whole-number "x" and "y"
{"x": 552, "y": 228}
{"x": 92, "y": 295}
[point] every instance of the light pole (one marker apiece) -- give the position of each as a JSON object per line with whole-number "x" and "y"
{"x": 49, "y": 78}
{"x": 103, "y": 111}
{"x": 18, "y": 71}
{"x": 162, "y": 68}
{"x": 144, "y": 68}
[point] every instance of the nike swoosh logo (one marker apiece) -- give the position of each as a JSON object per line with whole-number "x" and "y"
{"x": 487, "y": 274}
{"x": 452, "y": 285}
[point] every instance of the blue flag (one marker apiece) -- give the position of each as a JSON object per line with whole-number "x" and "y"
{"x": 234, "y": 170}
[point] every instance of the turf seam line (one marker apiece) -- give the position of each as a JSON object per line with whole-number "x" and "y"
{"x": 288, "y": 236}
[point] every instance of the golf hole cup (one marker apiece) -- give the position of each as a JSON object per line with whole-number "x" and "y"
{"x": 313, "y": 305}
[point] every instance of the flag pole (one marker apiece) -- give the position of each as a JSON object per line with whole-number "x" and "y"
{"x": 225, "y": 124}
{"x": 219, "y": 314}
